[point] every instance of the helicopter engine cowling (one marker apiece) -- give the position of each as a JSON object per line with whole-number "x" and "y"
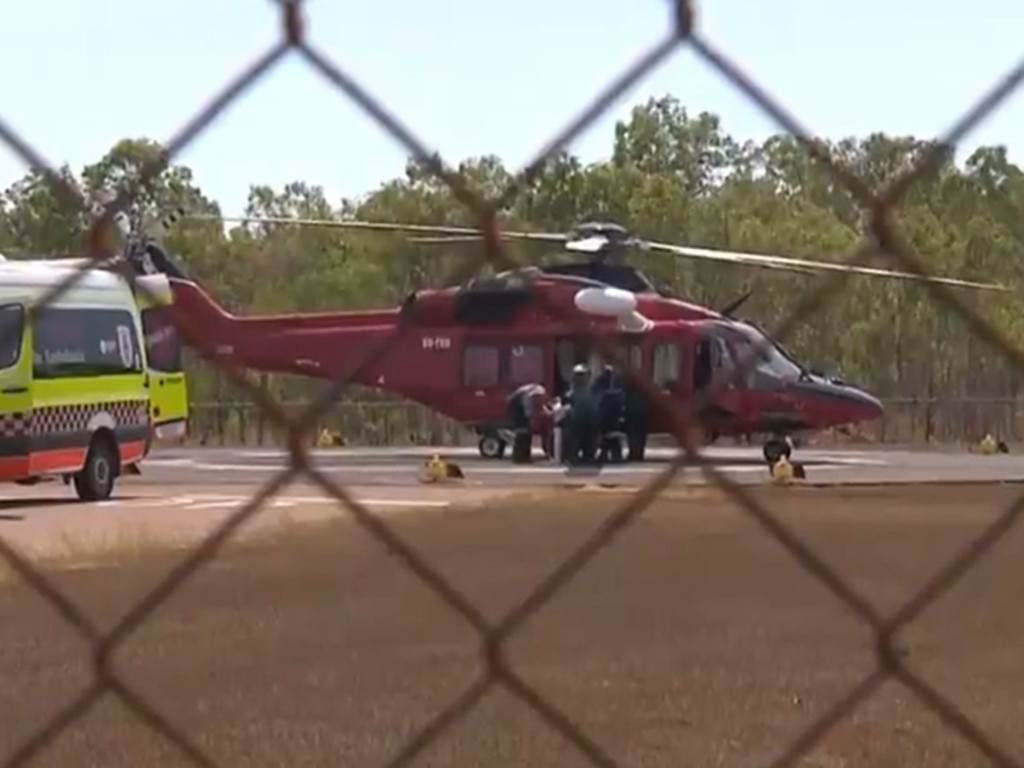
{"x": 612, "y": 302}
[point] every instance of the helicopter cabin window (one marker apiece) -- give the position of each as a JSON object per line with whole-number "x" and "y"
{"x": 481, "y": 366}
{"x": 526, "y": 364}
{"x": 626, "y": 348}
{"x": 667, "y": 365}
{"x": 635, "y": 356}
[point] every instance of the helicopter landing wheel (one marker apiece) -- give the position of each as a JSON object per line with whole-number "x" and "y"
{"x": 491, "y": 447}
{"x": 777, "y": 447}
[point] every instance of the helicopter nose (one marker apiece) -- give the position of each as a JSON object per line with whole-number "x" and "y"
{"x": 867, "y": 406}
{"x": 842, "y": 403}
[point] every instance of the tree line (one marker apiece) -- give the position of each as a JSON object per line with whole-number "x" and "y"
{"x": 671, "y": 175}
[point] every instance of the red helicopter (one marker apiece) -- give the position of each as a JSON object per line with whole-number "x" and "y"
{"x": 465, "y": 347}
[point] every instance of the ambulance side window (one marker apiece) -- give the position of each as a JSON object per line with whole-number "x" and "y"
{"x": 84, "y": 342}
{"x": 12, "y": 322}
{"x": 163, "y": 347}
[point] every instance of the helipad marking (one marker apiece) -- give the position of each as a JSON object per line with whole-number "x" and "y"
{"x": 226, "y": 502}
{"x": 534, "y": 469}
{"x": 151, "y": 503}
{"x": 500, "y": 470}
{"x": 840, "y": 459}
{"x": 399, "y": 503}
{"x": 606, "y": 470}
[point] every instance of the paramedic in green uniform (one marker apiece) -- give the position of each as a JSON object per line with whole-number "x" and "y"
{"x": 636, "y": 410}
{"x": 583, "y": 419}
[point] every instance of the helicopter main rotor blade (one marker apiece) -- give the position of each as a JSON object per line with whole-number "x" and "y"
{"x": 383, "y": 226}
{"x": 728, "y": 257}
{"x": 804, "y": 265}
{"x": 343, "y": 224}
{"x": 444, "y": 239}
{"x": 524, "y": 236}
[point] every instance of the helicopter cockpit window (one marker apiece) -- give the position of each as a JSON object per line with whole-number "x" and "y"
{"x": 525, "y": 364}
{"x": 481, "y": 366}
{"x": 770, "y": 361}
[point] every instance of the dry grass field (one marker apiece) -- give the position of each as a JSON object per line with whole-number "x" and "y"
{"x": 693, "y": 640}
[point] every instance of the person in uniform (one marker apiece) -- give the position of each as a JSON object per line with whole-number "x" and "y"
{"x": 610, "y": 396}
{"x": 635, "y": 417}
{"x": 581, "y": 423}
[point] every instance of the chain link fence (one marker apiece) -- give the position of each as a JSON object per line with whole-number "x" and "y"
{"x": 881, "y": 238}
{"x": 906, "y": 421}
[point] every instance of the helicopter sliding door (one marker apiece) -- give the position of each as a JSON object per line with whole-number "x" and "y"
{"x": 714, "y": 381}
{"x": 664, "y": 361}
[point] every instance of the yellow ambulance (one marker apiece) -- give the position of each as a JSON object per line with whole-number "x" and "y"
{"x": 80, "y": 388}
{"x": 168, "y": 389}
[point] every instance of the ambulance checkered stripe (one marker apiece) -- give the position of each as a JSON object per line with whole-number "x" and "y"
{"x": 13, "y": 424}
{"x": 56, "y": 419}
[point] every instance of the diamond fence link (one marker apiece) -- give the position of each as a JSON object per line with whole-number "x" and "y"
{"x": 881, "y": 237}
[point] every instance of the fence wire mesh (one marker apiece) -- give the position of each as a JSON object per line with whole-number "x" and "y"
{"x": 881, "y": 237}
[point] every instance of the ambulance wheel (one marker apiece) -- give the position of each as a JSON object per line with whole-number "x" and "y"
{"x": 95, "y": 481}
{"x": 776, "y": 448}
{"x": 491, "y": 447}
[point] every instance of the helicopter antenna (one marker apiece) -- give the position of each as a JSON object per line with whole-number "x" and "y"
{"x": 730, "y": 309}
